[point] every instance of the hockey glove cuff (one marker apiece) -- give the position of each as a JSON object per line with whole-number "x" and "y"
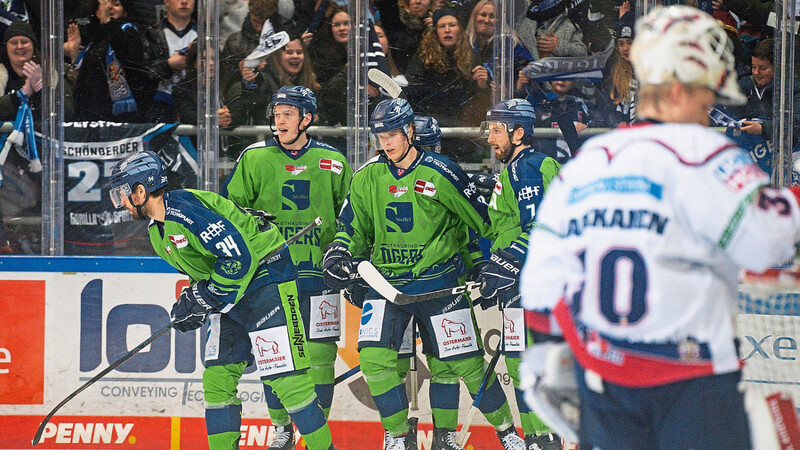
{"x": 337, "y": 266}
{"x": 500, "y": 274}
{"x": 193, "y": 306}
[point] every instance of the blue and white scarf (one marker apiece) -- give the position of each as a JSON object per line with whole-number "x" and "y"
{"x": 22, "y": 136}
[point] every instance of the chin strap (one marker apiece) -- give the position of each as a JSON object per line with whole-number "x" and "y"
{"x": 139, "y": 207}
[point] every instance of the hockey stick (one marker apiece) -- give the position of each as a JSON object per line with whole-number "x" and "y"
{"x": 385, "y": 82}
{"x": 347, "y": 374}
{"x": 462, "y": 434}
{"x": 149, "y": 340}
{"x": 376, "y": 281}
{"x": 413, "y": 367}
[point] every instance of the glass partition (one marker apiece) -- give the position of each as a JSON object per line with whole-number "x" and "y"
{"x": 194, "y": 82}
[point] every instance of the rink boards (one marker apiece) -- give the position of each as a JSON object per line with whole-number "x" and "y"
{"x": 64, "y": 319}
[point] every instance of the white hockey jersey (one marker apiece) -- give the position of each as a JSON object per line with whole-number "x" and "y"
{"x": 636, "y": 253}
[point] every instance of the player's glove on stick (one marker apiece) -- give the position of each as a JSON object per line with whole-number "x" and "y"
{"x": 500, "y": 274}
{"x": 473, "y": 275}
{"x": 193, "y": 306}
{"x": 263, "y": 219}
{"x": 355, "y": 294}
{"x": 337, "y": 265}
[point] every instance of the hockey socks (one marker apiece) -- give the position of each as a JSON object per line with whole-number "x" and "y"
{"x": 297, "y": 393}
{"x": 531, "y": 423}
{"x": 444, "y": 403}
{"x": 223, "y": 408}
{"x": 379, "y": 366}
{"x": 323, "y": 356}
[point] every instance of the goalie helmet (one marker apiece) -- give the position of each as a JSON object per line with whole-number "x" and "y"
{"x": 427, "y": 132}
{"x": 684, "y": 44}
{"x": 513, "y": 113}
{"x": 300, "y": 97}
{"x": 391, "y": 114}
{"x": 145, "y": 168}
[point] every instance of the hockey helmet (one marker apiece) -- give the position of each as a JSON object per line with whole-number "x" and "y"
{"x": 391, "y": 114}
{"x": 514, "y": 113}
{"x": 684, "y": 44}
{"x": 300, "y": 97}
{"x": 427, "y": 132}
{"x": 145, "y": 168}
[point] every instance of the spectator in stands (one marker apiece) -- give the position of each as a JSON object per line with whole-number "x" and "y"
{"x": 186, "y": 91}
{"x": 243, "y": 42}
{"x": 617, "y": 102}
{"x": 564, "y": 98}
{"x": 480, "y": 35}
{"x": 445, "y": 81}
{"x": 394, "y": 71}
{"x": 559, "y": 37}
{"x": 109, "y": 81}
{"x": 328, "y": 54}
{"x": 405, "y": 22}
{"x": 165, "y": 56}
{"x": 758, "y": 88}
{"x": 25, "y": 10}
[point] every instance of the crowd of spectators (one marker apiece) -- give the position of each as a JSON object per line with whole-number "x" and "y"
{"x": 137, "y": 61}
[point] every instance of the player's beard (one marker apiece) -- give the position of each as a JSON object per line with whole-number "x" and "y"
{"x": 504, "y": 153}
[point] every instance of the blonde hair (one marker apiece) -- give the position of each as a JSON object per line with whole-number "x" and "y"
{"x": 433, "y": 54}
{"x": 620, "y": 80}
{"x": 472, "y": 37}
{"x": 306, "y": 77}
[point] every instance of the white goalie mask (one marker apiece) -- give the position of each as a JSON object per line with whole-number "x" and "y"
{"x": 684, "y": 44}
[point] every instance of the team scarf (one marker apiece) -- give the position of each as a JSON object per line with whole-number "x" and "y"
{"x": 22, "y": 136}
{"x": 11, "y": 10}
{"x": 569, "y": 68}
{"x": 118, "y": 88}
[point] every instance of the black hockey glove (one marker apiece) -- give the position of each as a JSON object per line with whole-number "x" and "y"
{"x": 193, "y": 307}
{"x": 473, "y": 275}
{"x": 500, "y": 274}
{"x": 263, "y": 219}
{"x": 355, "y": 294}
{"x": 337, "y": 265}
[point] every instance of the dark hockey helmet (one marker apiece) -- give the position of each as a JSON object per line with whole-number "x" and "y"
{"x": 300, "y": 97}
{"x": 145, "y": 168}
{"x": 515, "y": 112}
{"x": 427, "y": 132}
{"x": 390, "y": 115}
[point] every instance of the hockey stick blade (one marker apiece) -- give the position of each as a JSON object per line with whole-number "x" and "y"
{"x": 376, "y": 281}
{"x": 38, "y": 436}
{"x": 385, "y": 82}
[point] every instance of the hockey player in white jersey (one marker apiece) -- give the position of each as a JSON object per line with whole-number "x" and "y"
{"x": 638, "y": 246}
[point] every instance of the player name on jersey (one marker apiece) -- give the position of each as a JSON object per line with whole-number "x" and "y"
{"x": 619, "y": 218}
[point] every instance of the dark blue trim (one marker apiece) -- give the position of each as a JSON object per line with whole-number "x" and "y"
{"x": 121, "y": 264}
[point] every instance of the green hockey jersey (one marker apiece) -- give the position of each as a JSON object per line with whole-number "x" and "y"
{"x": 296, "y": 186}
{"x": 412, "y": 223}
{"x": 516, "y": 195}
{"x": 207, "y": 237}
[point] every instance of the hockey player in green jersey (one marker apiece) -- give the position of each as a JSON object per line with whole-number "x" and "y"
{"x": 250, "y": 303}
{"x": 407, "y": 212}
{"x": 297, "y": 179}
{"x": 512, "y": 210}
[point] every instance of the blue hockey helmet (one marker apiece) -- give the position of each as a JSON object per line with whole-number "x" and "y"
{"x": 514, "y": 113}
{"x": 391, "y": 114}
{"x": 300, "y": 97}
{"x": 427, "y": 132}
{"x": 145, "y": 168}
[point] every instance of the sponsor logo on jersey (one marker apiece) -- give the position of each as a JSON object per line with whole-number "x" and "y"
{"x": 498, "y": 188}
{"x": 212, "y": 230}
{"x": 737, "y": 172}
{"x": 425, "y": 188}
{"x": 168, "y": 249}
{"x": 400, "y": 172}
{"x": 295, "y": 169}
{"x": 178, "y": 240}
{"x": 398, "y": 190}
{"x": 527, "y": 193}
{"x": 332, "y": 165}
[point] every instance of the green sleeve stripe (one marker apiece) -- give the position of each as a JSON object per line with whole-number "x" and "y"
{"x": 733, "y": 224}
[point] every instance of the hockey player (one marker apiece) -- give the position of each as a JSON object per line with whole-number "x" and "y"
{"x": 512, "y": 210}
{"x": 647, "y": 228}
{"x": 251, "y": 304}
{"x": 407, "y": 212}
{"x": 299, "y": 178}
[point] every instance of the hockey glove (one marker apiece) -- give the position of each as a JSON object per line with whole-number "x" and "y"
{"x": 193, "y": 306}
{"x": 501, "y": 274}
{"x": 263, "y": 219}
{"x": 355, "y": 294}
{"x": 337, "y": 265}
{"x": 473, "y": 275}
